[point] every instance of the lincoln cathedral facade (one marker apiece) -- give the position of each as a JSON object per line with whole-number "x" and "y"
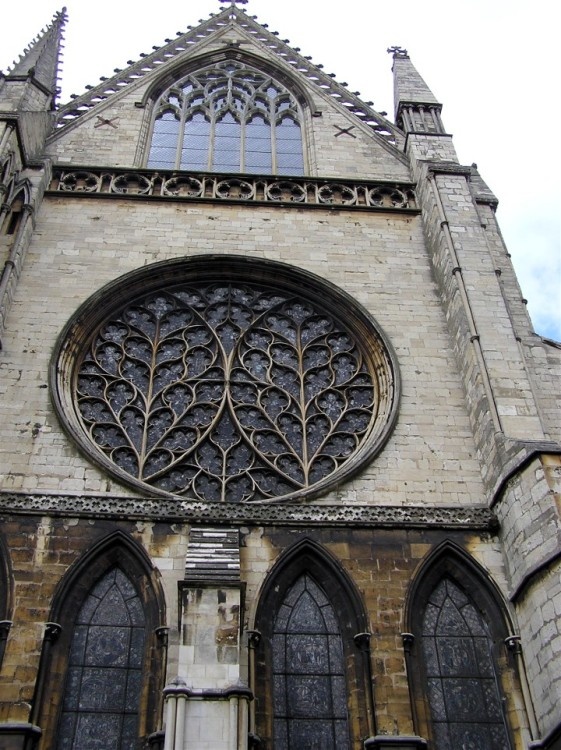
{"x": 280, "y": 454}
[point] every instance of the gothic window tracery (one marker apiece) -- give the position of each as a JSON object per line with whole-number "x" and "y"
{"x": 459, "y": 668}
{"x": 227, "y": 117}
{"x": 463, "y": 694}
{"x": 309, "y": 676}
{"x": 103, "y": 684}
{"x": 228, "y": 389}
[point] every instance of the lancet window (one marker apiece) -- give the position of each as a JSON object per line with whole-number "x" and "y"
{"x": 103, "y": 684}
{"x": 309, "y": 673}
{"x": 461, "y": 679}
{"x": 309, "y": 676}
{"x": 227, "y": 117}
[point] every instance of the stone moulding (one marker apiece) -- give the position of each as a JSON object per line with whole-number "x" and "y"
{"x": 255, "y": 189}
{"x": 107, "y": 506}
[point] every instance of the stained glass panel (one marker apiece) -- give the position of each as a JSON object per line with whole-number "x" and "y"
{"x": 309, "y": 684}
{"x": 103, "y": 684}
{"x": 462, "y": 685}
{"x": 229, "y": 392}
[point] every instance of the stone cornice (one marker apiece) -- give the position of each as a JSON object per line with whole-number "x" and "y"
{"x": 259, "y": 514}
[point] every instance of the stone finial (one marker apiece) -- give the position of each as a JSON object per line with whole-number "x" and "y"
{"x": 362, "y": 641}
{"x": 52, "y": 631}
{"x": 397, "y": 51}
{"x": 253, "y": 638}
{"x": 512, "y": 642}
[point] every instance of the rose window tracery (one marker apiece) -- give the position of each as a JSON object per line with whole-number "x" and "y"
{"x": 229, "y": 391}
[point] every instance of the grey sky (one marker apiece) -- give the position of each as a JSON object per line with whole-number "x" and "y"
{"x": 490, "y": 62}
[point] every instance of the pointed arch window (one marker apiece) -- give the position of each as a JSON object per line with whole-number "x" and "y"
{"x": 10, "y": 217}
{"x": 309, "y": 682}
{"x": 5, "y": 598}
{"x": 459, "y": 673}
{"x": 103, "y": 684}
{"x": 311, "y": 677}
{"x": 227, "y": 117}
{"x": 462, "y": 685}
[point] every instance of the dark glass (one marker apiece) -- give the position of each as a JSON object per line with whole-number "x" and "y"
{"x": 309, "y": 683}
{"x": 188, "y": 389}
{"x": 462, "y": 685}
{"x": 104, "y": 679}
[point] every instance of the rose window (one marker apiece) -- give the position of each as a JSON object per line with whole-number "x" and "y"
{"x": 209, "y": 385}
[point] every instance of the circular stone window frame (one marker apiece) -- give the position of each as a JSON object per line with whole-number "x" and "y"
{"x": 84, "y": 325}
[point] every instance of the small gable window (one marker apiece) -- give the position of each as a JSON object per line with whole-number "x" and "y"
{"x": 227, "y": 118}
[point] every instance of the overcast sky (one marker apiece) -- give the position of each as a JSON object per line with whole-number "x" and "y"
{"x": 492, "y": 64}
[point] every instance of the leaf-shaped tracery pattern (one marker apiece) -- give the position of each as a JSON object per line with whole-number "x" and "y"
{"x": 228, "y": 391}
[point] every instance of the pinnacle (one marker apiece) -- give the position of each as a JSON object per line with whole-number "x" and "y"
{"x": 41, "y": 58}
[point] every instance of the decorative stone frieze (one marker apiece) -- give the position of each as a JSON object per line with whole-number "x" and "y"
{"x": 255, "y": 189}
{"x": 371, "y": 516}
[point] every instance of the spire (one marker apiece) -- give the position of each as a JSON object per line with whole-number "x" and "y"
{"x": 417, "y": 110}
{"x": 40, "y": 60}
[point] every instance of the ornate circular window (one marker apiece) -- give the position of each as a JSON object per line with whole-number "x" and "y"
{"x": 223, "y": 378}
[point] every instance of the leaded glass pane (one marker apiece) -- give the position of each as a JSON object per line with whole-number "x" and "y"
{"x": 196, "y": 140}
{"x": 289, "y": 147}
{"x": 258, "y": 157}
{"x": 103, "y": 683}
{"x": 309, "y": 684}
{"x": 164, "y": 141}
{"x": 202, "y": 118}
{"x": 462, "y": 686}
{"x": 227, "y": 144}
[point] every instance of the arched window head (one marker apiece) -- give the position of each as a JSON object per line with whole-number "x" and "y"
{"x": 458, "y": 666}
{"x": 309, "y": 676}
{"x": 227, "y": 117}
{"x": 104, "y": 678}
{"x": 462, "y": 687}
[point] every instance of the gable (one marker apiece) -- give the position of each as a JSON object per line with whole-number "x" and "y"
{"x": 111, "y": 124}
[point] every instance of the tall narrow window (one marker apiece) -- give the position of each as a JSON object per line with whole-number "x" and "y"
{"x": 309, "y": 681}
{"x": 227, "y": 118}
{"x": 103, "y": 684}
{"x": 462, "y": 687}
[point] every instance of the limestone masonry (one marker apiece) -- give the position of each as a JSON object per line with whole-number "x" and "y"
{"x": 280, "y": 452}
